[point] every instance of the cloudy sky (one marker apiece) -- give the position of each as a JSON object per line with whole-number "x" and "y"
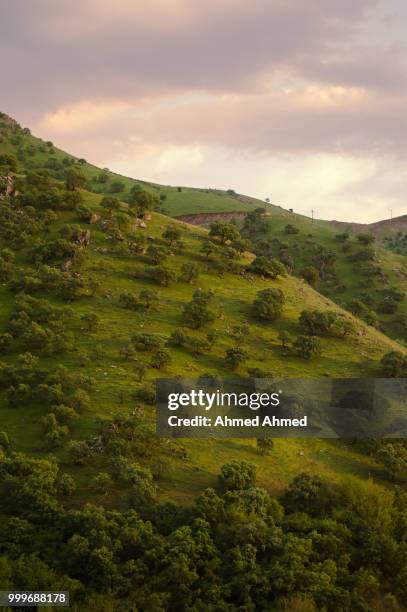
{"x": 304, "y": 102}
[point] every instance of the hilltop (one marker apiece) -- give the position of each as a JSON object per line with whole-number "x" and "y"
{"x": 32, "y": 153}
{"x": 379, "y": 229}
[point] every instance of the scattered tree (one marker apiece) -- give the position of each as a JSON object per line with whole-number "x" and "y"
{"x": 307, "y": 346}
{"x": 235, "y": 357}
{"x": 268, "y": 304}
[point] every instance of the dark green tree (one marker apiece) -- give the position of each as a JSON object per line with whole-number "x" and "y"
{"x": 268, "y": 304}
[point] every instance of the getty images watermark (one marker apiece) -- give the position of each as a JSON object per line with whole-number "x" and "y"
{"x": 252, "y": 408}
{"x": 218, "y": 399}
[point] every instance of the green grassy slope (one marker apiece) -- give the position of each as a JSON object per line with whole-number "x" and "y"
{"x": 109, "y": 268}
{"x": 345, "y": 279}
{"x": 348, "y": 280}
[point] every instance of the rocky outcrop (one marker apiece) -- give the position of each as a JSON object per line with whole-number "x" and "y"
{"x": 6, "y": 185}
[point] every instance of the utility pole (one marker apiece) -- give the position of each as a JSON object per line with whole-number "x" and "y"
{"x": 391, "y": 215}
{"x": 312, "y": 215}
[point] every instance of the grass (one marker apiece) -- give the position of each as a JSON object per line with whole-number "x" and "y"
{"x": 349, "y": 277}
{"x": 110, "y": 267}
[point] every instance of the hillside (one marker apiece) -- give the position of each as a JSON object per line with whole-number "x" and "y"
{"x": 109, "y": 270}
{"x": 380, "y": 229}
{"x": 356, "y": 273}
{"x": 371, "y": 282}
{"x": 114, "y": 265}
{"x": 391, "y": 233}
{"x": 96, "y": 304}
{"x": 33, "y": 153}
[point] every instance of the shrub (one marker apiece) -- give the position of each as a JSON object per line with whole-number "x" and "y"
{"x": 290, "y": 229}
{"x": 265, "y": 445}
{"x": 129, "y": 300}
{"x": 157, "y": 253}
{"x": 197, "y": 312}
{"x": 284, "y": 338}
{"x": 311, "y": 275}
{"x": 79, "y": 452}
{"x": 317, "y": 322}
{"x": 128, "y": 352}
{"x": 4, "y": 440}
{"x": 54, "y": 433}
{"x": 307, "y": 346}
{"x": 198, "y": 346}
{"x": 359, "y": 309}
{"x": 342, "y": 327}
{"x": 66, "y": 485}
{"x": 190, "y": 272}
{"x": 179, "y": 337}
{"x": 145, "y": 394}
{"x": 343, "y": 237}
{"x": 234, "y": 357}
{"x": 394, "y": 457}
{"x": 143, "y": 490}
{"x": 389, "y": 305}
{"x": 268, "y": 304}
{"x": 160, "y": 359}
{"x": 225, "y": 232}
{"x": 394, "y": 364}
{"x": 258, "y": 373}
{"x": 146, "y": 342}
{"x": 102, "y": 481}
{"x": 237, "y": 475}
{"x": 172, "y": 234}
{"x": 270, "y": 268}
{"x": 240, "y": 245}
{"x": 147, "y": 298}
{"x": 162, "y": 275}
{"x": 5, "y": 342}
{"x": 139, "y": 369}
{"x": 91, "y": 321}
{"x": 84, "y": 213}
{"x": 308, "y": 494}
{"x": 365, "y": 238}
{"x": 117, "y": 187}
{"x": 65, "y": 414}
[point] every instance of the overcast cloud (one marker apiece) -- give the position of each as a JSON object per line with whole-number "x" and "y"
{"x": 302, "y": 102}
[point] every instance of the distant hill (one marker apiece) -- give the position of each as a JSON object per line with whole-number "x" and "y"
{"x": 380, "y": 229}
{"x": 391, "y": 233}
